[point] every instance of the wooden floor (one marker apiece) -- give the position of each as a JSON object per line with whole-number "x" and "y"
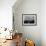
{"x": 9, "y": 43}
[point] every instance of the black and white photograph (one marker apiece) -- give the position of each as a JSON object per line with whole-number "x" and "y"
{"x": 29, "y": 19}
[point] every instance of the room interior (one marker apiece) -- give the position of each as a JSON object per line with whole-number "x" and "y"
{"x": 22, "y": 23}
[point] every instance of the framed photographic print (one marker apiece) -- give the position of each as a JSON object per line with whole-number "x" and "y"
{"x": 29, "y": 19}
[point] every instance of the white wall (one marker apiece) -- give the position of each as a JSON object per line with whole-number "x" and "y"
{"x": 28, "y": 7}
{"x": 43, "y": 22}
{"x": 6, "y": 13}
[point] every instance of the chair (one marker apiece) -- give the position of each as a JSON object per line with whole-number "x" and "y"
{"x": 18, "y": 39}
{"x": 29, "y": 43}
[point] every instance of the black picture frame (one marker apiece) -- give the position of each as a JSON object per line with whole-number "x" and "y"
{"x": 29, "y": 19}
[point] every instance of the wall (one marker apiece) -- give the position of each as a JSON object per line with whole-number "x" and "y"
{"x": 43, "y": 22}
{"x": 6, "y": 13}
{"x": 28, "y": 7}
